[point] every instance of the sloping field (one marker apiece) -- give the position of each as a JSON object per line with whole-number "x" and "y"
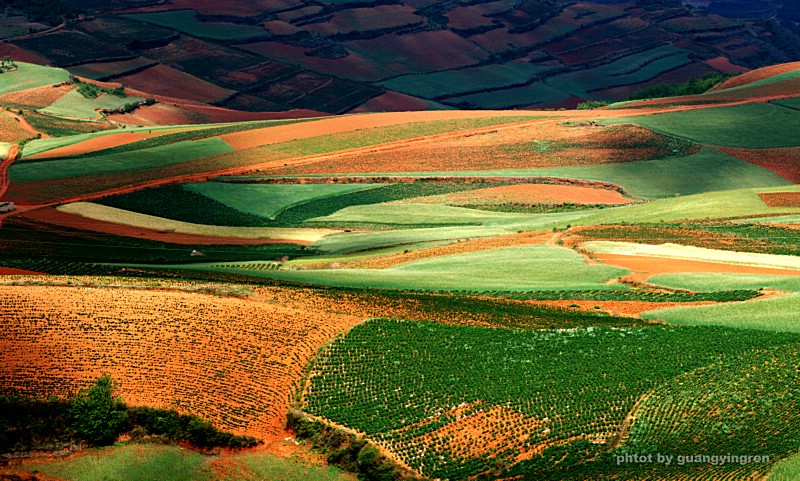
{"x": 75, "y": 105}
{"x": 107, "y": 70}
{"x": 177, "y": 153}
{"x": 759, "y": 76}
{"x": 96, "y": 143}
{"x": 746, "y": 126}
{"x": 778, "y": 314}
{"x": 29, "y": 76}
{"x": 676, "y": 251}
{"x": 231, "y": 361}
{"x": 525, "y": 194}
{"x": 186, "y": 21}
{"x": 169, "y": 82}
{"x": 119, "y": 216}
{"x": 703, "y": 282}
{"x": 415, "y": 214}
{"x": 11, "y": 131}
{"x": 784, "y": 162}
{"x": 268, "y": 200}
{"x": 36, "y": 98}
{"x": 518, "y": 268}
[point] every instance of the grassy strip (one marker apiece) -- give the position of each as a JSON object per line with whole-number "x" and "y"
{"x": 29, "y": 76}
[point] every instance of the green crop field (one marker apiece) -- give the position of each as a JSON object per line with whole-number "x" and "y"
{"x": 793, "y": 103}
{"x": 560, "y": 391}
{"x": 268, "y": 200}
{"x": 537, "y": 93}
{"x": 186, "y": 21}
{"x": 752, "y": 125}
{"x": 156, "y": 157}
{"x": 777, "y": 314}
{"x": 786, "y": 470}
{"x": 414, "y": 214}
{"x": 167, "y": 463}
{"x": 29, "y": 76}
{"x": 508, "y": 269}
{"x": 75, "y": 105}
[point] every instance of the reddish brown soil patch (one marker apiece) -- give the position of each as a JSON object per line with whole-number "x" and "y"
{"x": 37, "y": 98}
{"x": 781, "y": 199}
{"x": 759, "y": 74}
{"x": 526, "y": 194}
{"x": 643, "y": 267}
{"x": 54, "y": 217}
{"x": 391, "y": 102}
{"x": 723, "y": 64}
{"x": 234, "y": 362}
{"x": 98, "y": 143}
{"x": 618, "y": 308}
{"x": 784, "y": 162}
{"x": 21, "y": 55}
{"x": 169, "y": 82}
{"x": 10, "y": 271}
{"x": 174, "y": 112}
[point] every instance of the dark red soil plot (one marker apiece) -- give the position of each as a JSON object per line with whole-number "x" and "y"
{"x": 784, "y": 162}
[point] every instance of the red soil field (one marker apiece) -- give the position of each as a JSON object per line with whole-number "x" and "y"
{"x": 759, "y": 74}
{"x": 618, "y": 308}
{"x": 723, "y": 64}
{"x": 643, "y": 267}
{"x": 186, "y": 113}
{"x": 53, "y": 217}
{"x": 10, "y": 271}
{"x": 214, "y": 7}
{"x": 37, "y": 98}
{"x": 391, "y": 102}
{"x": 365, "y": 19}
{"x": 504, "y": 147}
{"x": 781, "y": 199}
{"x": 232, "y": 361}
{"x": 465, "y": 18}
{"x": 277, "y": 27}
{"x": 12, "y": 130}
{"x": 784, "y": 162}
{"x": 169, "y": 82}
{"x": 526, "y": 194}
{"x": 98, "y": 143}
{"x": 21, "y": 55}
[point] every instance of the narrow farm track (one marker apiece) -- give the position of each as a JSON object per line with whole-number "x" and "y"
{"x": 23, "y": 122}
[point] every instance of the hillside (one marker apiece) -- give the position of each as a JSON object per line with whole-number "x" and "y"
{"x": 338, "y": 57}
{"x": 447, "y": 294}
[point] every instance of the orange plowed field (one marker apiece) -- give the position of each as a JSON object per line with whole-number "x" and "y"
{"x": 11, "y": 130}
{"x": 167, "y": 81}
{"x": 37, "y": 98}
{"x": 781, "y": 199}
{"x": 617, "y": 308}
{"x": 525, "y": 194}
{"x": 644, "y": 267}
{"x": 234, "y": 362}
{"x": 784, "y": 162}
{"x": 759, "y": 74}
{"x": 535, "y": 144}
{"x": 10, "y": 271}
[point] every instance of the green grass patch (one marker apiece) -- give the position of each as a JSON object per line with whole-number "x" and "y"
{"x": 793, "y": 104}
{"x": 777, "y": 314}
{"x": 29, "y": 76}
{"x": 750, "y": 126}
{"x": 414, "y": 214}
{"x": 155, "y": 157}
{"x": 268, "y": 200}
{"x": 786, "y": 470}
{"x": 187, "y": 21}
{"x": 75, "y": 105}
{"x": 700, "y": 282}
{"x": 509, "y": 269}
{"x": 565, "y": 387}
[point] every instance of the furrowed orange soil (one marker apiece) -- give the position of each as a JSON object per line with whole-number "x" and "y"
{"x": 234, "y": 362}
{"x": 784, "y": 162}
{"x": 759, "y": 74}
{"x": 53, "y": 217}
{"x": 781, "y": 199}
{"x": 98, "y": 143}
{"x": 525, "y": 194}
{"x": 525, "y": 238}
{"x": 644, "y": 267}
{"x": 10, "y": 271}
{"x": 539, "y": 143}
{"x": 169, "y": 82}
{"x": 37, "y": 98}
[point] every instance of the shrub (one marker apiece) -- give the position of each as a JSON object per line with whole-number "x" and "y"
{"x": 96, "y": 415}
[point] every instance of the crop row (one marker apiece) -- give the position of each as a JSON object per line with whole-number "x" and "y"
{"x": 411, "y": 386}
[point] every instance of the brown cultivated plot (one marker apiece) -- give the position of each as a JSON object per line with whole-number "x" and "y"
{"x": 234, "y": 362}
{"x": 781, "y": 199}
{"x": 37, "y": 98}
{"x": 784, "y": 162}
{"x": 759, "y": 74}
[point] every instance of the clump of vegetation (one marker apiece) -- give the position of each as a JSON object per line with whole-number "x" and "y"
{"x": 92, "y": 91}
{"x": 691, "y": 87}
{"x": 95, "y": 417}
{"x": 592, "y": 104}
{"x": 7, "y": 64}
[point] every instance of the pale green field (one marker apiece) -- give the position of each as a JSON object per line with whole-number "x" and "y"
{"x": 410, "y": 214}
{"x": 74, "y": 105}
{"x": 268, "y": 200}
{"x": 786, "y": 470}
{"x": 710, "y": 282}
{"x": 778, "y": 314}
{"x": 171, "y": 463}
{"x": 30, "y": 76}
{"x": 521, "y": 268}
{"x": 140, "y": 159}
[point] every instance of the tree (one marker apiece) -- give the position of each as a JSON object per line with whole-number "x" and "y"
{"x": 96, "y": 415}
